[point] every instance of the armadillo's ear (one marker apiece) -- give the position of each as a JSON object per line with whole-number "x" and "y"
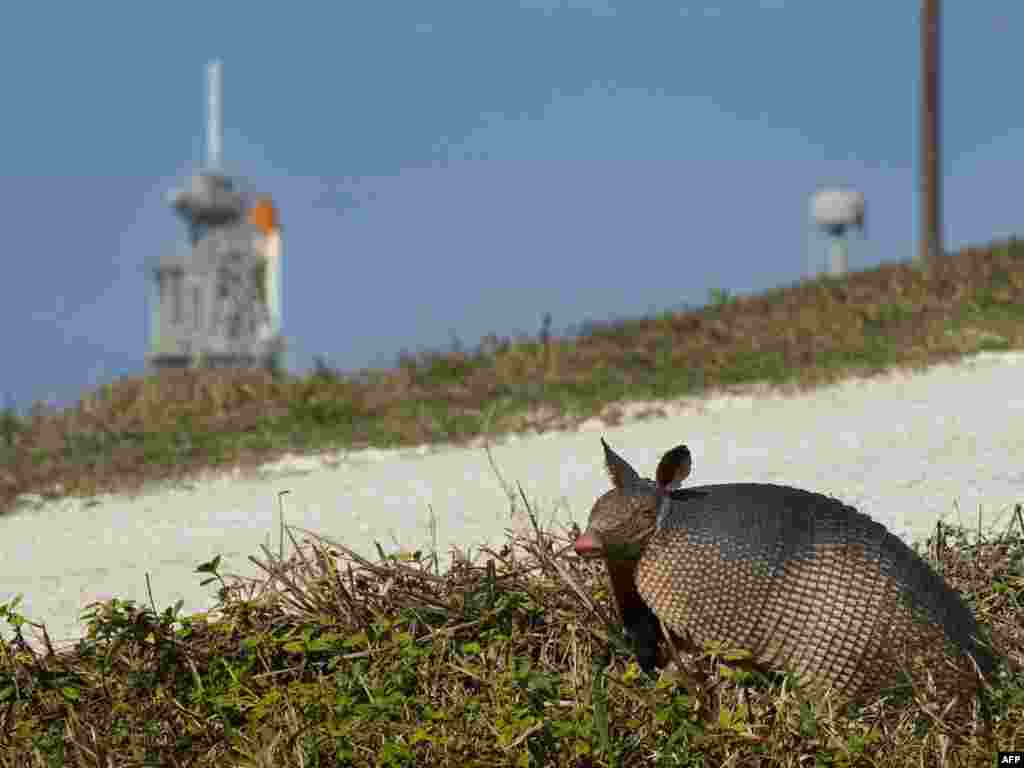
{"x": 674, "y": 467}
{"x": 622, "y": 475}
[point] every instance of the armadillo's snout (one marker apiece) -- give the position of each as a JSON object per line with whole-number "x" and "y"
{"x": 588, "y": 545}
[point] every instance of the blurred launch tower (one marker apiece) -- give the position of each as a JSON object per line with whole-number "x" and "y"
{"x": 215, "y": 299}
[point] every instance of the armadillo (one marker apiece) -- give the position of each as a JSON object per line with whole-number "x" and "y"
{"x": 805, "y": 583}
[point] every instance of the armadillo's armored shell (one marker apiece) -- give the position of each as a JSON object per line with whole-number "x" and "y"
{"x": 807, "y": 584}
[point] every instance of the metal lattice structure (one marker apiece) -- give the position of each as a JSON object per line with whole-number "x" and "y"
{"x": 215, "y": 298}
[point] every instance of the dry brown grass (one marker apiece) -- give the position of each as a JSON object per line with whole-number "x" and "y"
{"x": 334, "y": 659}
{"x": 505, "y": 659}
{"x": 143, "y": 429}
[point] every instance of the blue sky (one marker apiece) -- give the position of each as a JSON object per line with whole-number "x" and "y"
{"x": 465, "y": 167}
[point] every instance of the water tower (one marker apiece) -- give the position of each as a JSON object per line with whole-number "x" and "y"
{"x": 834, "y": 212}
{"x": 215, "y": 299}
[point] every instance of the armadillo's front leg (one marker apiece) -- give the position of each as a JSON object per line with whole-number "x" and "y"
{"x": 642, "y": 628}
{"x": 638, "y": 620}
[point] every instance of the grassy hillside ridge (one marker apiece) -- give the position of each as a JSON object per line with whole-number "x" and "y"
{"x": 509, "y": 658}
{"x": 165, "y": 427}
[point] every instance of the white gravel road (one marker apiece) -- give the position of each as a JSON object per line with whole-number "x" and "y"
{"x": 908, "y": 449}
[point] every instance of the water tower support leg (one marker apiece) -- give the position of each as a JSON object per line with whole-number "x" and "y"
{"x": 837, "y": 253}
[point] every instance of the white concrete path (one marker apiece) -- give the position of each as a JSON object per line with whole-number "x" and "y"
{"x": 904, "y": 448}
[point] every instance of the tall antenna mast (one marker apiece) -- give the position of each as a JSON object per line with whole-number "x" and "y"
{"x": 213, "y": 83}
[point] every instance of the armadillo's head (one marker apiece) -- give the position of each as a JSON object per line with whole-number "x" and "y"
{"x": 624, "y": 518}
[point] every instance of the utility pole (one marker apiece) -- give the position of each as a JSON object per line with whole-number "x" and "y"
{"x": 931, "y": 173}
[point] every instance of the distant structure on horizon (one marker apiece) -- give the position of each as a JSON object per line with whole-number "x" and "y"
{"x": 215, "y": 300}
{"x": 834, "y": 212}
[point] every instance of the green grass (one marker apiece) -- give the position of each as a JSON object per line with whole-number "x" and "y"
{"x": 344, "y": 661}
{"x": 507, "y": 661}
{"x": 142, "y": 429}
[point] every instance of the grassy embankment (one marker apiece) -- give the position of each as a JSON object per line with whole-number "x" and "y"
{"x": 143, "y": 429}
{"x": 344, "y": 661}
